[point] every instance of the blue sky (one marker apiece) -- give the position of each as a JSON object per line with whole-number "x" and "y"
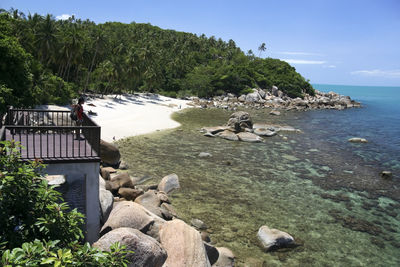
{"x": 336, "y": 42}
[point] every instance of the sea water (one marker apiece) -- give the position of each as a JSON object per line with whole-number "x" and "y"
{"x": 324, "y": 191}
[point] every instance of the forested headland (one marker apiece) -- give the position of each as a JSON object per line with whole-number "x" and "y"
{"x": 49, "y": 61}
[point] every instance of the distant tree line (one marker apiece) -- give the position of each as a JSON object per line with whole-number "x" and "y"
{"x": 44, "y": 60}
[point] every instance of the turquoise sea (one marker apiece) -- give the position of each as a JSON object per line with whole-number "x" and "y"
{"x": 315, "y": 185}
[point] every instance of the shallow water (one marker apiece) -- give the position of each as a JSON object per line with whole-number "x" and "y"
{"x": 313, "y": 186}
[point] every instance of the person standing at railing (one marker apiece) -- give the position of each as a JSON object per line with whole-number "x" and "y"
{"x": 79, "y": 115}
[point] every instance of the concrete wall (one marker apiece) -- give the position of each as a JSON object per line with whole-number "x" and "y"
{"x": 88, "y": 172}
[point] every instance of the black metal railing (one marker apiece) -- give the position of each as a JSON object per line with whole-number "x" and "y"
{"x": 51, "y": 135}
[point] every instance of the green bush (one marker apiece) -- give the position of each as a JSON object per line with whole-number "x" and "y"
{"x": 36, "y": 227}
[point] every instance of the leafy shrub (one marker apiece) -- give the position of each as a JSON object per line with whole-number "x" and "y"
{"x": 35, "y": 225}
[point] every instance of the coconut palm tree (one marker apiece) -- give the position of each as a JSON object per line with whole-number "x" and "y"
{"x": 262, "y": 48}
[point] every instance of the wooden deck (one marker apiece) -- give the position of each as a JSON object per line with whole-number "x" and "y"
{"x": 53, "y": 147}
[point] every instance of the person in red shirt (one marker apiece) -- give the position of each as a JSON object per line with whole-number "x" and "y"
{"x": 79, "y": 115}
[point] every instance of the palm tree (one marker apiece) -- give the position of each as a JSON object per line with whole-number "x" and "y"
{"x": 47, "y": 40}
{"x": 262, "y": 48}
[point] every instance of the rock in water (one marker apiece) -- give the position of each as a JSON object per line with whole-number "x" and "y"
{"x": 169, "y": 183}
{"x": 386, "y": 174}
{"x": 226, "y": 258}
{"x": 109, "y": 153}
{"x": 183, "y": 245}
{"x": 273, "y": 238}
{"x": 249, "y": 137}
{"x": 358, "y": 140}
{"x": 275, "y": 112}
{"x": 205, "y": 155}
{"x": 228, "y": 135}
{"x": 240, "y": 121}
{"x": 264, "y": 132}
{"x": 146, "y": 250}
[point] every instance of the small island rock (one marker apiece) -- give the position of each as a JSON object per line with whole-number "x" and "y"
{"x": 357, "y": 140}
{"x": 273, "y": 238}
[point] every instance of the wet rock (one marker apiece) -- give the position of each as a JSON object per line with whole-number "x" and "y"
{"x": 275, "y": 112}
{"x": 249, "y": 137}
{"x": 169, "y": 183}
{"x": 183, "y": 245}
{"x": 129, "y": 193}
{"x": 357, "y": 140}
{"x": 273, "y": 239}
{"x": 146, "y": 250}
{"x": 226, "y": 258}
{"x": 228, "y": 135}
{"x": 213, "y": 130}
{"x": 386, "y": 175}
{"x": 198, "y": 224}
{"x": 208, "y": 134}
{"x": 205, "y": 155}
{"x": 264, "y": 132}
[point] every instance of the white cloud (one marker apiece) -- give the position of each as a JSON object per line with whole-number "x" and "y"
{"x": 303, "y": 61}
{"x": 63, "y": 17}
{"x": 378, "y": 73}
{"x": 299, "y": 53}
{"x": 330, "y": 66}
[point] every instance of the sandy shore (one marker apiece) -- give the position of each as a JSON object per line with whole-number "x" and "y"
{"x": 130, "y": 115}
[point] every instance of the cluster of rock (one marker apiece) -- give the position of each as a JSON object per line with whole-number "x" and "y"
{"x": 241, "y": 128}
{"x": 276, "y": 99}
{"x": 142, "y": 218}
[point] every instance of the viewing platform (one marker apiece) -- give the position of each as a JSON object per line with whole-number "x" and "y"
{"x": 50, "y": 136}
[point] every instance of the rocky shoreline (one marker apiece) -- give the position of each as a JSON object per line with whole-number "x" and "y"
{"x": 277, "y": 100}
{"x": 142, "y": 218}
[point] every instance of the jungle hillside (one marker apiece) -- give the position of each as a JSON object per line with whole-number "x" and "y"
{"x": 49, "y": 61}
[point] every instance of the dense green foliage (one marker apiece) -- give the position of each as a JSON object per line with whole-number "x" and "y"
{"x": 35, "y": 225}
{"x": 60, "y": 58}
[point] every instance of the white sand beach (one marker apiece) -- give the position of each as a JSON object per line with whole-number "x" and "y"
{"x": 130, "y": 115}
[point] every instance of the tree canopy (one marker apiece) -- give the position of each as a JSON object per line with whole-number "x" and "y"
{"x": 57, "y": 59}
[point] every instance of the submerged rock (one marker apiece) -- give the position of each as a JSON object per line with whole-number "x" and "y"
{"x": 228, "y": 135}
{"x": 386, "y": 174}
{"x": 357, "y": 140}
{"x": 169, "y": 183}
{"x": 273, "y": 238}
{"x": 205, "y": 155}
{"x": 264, "y": 132}
{"x": 249, "y": 137}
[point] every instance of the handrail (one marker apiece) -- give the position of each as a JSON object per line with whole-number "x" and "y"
{"x": 50, "y": 134}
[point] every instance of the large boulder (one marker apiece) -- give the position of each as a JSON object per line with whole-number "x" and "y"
{"x": 129, "y": 193}
{"x": 249, "y": 137}
{"x": 273, "y": 239}
{"x": 183, "y": 245}
{"x": 129, "y": 214}
{"x": 240, "y": 121}
{"x": 228, "y": 135}
{"x": 124, "y": 180}
{"x": 253, "y": 97}
{"x": 212, "y": 253}
{"x": 106, "y": 204}
{"x": 226, "y": 258}
{"x": 109, "y": 153}
{"x": 150, "y": 201}
{"x": 147, "y": 251}
{"x": 169, "y": 183}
